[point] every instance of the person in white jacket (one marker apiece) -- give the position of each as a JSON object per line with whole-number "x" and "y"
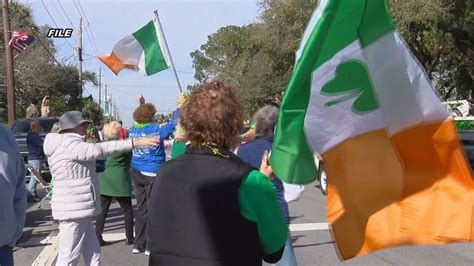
{"x": 76, "y": 197}
{"x": 12, "y": 195}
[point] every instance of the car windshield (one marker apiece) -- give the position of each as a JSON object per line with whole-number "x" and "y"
{"x": 23, "y": 125}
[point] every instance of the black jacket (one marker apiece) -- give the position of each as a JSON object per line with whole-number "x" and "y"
{"x": 34, "y": 144}
{"x": 194, "y": 216}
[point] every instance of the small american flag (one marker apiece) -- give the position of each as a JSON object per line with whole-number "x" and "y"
{"x": 20, "y": 40}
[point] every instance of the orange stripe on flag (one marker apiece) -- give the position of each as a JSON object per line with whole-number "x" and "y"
{"x": 114, "y": 63}
{"x": 413, "y": 188}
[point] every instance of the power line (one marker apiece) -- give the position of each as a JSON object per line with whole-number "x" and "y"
{"x": 65, "y": 13}
{"x": 59, "y": 12}
{"x": 184, "y": 72}
{"x": 47, "y": 11}
{"x": 129, "y": 94}
{"x": 88, "y": 26}
{"x": 142, "y": 86}
{"x": 50, "y": 16}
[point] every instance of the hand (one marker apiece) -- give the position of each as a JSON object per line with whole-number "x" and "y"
{"x": 181, "y": 99}
{"x": 264, "y": 167}
{"x": 140, "y": 100}
{"x": 147, "y": 142}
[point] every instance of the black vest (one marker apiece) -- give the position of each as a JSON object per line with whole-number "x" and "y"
{"x": 194, "y": 216}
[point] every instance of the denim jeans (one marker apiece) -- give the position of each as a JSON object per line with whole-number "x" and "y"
{"x": 288, "y": 258}
{"x": 6, "y": 256}
{"x": 36, "y": 164}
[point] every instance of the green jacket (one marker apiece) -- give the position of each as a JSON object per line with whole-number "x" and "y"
{"x": 115, "y": 179}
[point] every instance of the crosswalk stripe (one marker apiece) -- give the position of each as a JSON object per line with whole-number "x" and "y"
{"x": 49, "y": 253}
{"x": 309, "y": 227}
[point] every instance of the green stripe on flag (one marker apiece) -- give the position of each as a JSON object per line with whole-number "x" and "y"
{"x": 339, "y": 25}
{"x": 154, "y": 59}
{"x": 376, "y": 22}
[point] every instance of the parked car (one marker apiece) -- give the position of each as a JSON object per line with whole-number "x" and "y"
{"x": 322, "y": 177}
{"x": 20, "y": 129}
{"x": 467, "y": 141}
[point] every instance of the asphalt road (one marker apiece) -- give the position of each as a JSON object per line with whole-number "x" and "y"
{"x": 311, "y": 240}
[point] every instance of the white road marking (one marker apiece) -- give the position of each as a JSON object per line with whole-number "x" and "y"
{"x": 113, "y": 237}
{"x": 309, "y": 227}
{"x": 49, "y": 253}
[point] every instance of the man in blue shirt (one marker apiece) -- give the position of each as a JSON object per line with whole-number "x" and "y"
{"x": 34, "y": 143}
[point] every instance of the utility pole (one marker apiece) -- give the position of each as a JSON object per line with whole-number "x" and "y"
{"x": 111, "y": 108}
{"x": 79, "y": 52}
{"x": 100, "y": 84}
{"x": 106, "y": 102}
{"x": 9, "y": 65}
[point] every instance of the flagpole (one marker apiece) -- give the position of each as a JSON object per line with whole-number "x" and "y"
{"x": 167, "y": 50}
{"x": 9, "y": 65}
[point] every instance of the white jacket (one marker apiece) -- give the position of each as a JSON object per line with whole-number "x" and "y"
{"x": 72, "y": 162}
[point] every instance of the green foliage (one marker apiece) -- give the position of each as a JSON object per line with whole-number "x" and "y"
{"x": 257, "y": 59}
{"x": 92, "y": 112}
{"x": 37, "y": 74}
{"x": 464, "y": 125}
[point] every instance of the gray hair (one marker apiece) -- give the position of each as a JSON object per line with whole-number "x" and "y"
{"x": 265, "y": 119}
{"x": 112, "y": 130}
{"x": 55, "y": 128}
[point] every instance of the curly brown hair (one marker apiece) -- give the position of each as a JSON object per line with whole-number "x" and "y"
{"x": 144, "y": 113}
{"x": 212, "y": 114}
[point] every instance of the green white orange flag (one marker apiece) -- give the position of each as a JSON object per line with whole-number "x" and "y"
{"x": 396, "y": 171}
{"x": 143, "y": 50}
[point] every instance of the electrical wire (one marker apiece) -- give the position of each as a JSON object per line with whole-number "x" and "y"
{"x": 91, "y": 41}
{"x": 88, "y": 26}
{"x": 65, "y": 13}
{"x": 49, "y": 14}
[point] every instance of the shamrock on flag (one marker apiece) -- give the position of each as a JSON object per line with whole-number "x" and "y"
{"x": 397, "y": 174}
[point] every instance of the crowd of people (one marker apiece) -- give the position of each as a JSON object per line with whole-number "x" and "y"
{"x": 216, "y": 202}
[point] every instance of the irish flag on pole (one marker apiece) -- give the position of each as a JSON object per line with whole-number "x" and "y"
{"x": 143, "y": 50}
{"x": 396, "y": 171}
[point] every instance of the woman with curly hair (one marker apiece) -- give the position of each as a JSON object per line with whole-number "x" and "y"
{"x": 225, "y": 210}
{"x": 145, "y": 163}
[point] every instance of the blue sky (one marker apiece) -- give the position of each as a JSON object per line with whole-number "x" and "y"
{"x": 186, "y": 24}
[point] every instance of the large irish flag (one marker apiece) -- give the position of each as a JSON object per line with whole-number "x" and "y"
{"x": 143, "y": 50}
{"x": 397, "y": 173}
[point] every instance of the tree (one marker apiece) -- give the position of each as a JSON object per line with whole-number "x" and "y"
{"x": 37, "y": 73}
{"x": 258, "y": 58}
{"x": 441, "y": 35}
{"x": 92, "y": 112}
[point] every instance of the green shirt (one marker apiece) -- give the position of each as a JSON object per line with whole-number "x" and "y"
{"x": 115, "y": 180}
{"x": 258, "y": 204}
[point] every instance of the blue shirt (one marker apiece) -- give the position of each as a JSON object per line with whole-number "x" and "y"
{"x": 12, "y": 190}
{"x": 34, "y": 143}
{"x": 149, "y": 159}
{"x": 252, "y": 152}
